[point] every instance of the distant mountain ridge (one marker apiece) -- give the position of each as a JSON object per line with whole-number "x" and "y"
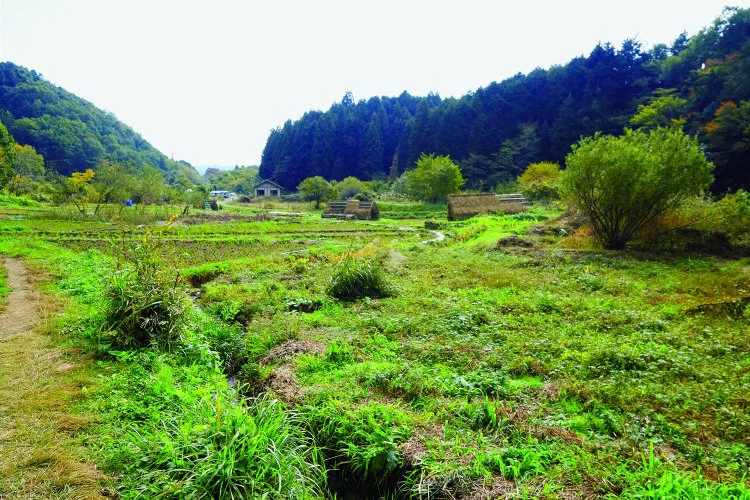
{"x": 71, "y": 133}
{"x": 702, "y": 82}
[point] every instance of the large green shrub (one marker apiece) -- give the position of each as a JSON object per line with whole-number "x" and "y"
{"x": 146, "y": 303}
{"x": 316, "y": 189}
{"x": 623, "y": 183}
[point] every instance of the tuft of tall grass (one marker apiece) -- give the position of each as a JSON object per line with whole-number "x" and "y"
{"x": 238, "y": 452}
{"x": 355, "y": 279}
{"x": 146, "y": 304}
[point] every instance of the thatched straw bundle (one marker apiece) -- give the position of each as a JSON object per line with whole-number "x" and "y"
{"x": 352, "y": 206}
{"x": 363, "y": 210}
{"x": 465, "y": 206}
{"x": 368, "y": 210}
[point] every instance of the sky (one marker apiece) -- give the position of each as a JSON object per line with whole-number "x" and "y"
{"x": 205, "y": 81}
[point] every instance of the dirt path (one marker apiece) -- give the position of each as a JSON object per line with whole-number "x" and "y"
{"x": 39, "y": 457}
{"x": 21, "y": 309}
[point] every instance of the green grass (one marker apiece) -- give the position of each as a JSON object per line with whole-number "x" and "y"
{"x": 210, "y": 443}
{"x": 4, "y": 290}
{"x": 9, "y": 200}
{"x": 543, "y": 371}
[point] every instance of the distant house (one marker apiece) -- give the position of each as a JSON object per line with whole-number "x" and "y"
{"x": 267, "y": 189}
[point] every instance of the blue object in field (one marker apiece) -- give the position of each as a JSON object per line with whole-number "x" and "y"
{"x": 129, "y": 203}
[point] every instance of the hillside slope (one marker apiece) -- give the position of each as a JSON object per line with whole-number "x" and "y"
{"x": 494, "y": 132}
{"x": 70, "y": 132}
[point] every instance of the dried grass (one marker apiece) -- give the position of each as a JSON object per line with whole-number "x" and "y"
{"x": 513, "y": 208}
{"x": 465, "y": 206}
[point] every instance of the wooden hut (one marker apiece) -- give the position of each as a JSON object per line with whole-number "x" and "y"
{"x": 352, "y": 209}
{"x": 465, "y": 206}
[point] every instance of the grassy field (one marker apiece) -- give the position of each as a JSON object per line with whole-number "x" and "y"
{"x": 536, "y": 367}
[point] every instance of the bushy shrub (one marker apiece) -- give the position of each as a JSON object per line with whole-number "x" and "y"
{"x": 351, "y": 187}
{"x": 700, "y": 224}
{"x": 146, "y": 304}
{"x": 434, "y": 178}
{"x": 734, "y": 211}
{"x": 624, "y": 183}
{"x": 357, "y": 279}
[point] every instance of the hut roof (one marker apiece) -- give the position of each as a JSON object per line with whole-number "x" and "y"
{"x": 465, "y": 206}
{"x": 267, "y": 181}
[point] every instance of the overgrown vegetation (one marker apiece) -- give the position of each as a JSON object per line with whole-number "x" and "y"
{"x": 522, "y": 367}
{"x": 146, "y": 304}
{"x": 270, "y": 353}
{"x": 355, "y": 279}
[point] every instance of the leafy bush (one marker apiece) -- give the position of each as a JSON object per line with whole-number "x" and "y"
{"x": 700, "y": 224}
{"x": 734, "y": 210}
{"x": 316, "y": 189}
{"x": 145, "y": 304}
{"x": 540, "y": 181}
{"x": 351, "y": 187}
{"x": 623, "y": 183}
{"x": 357, "y": 279}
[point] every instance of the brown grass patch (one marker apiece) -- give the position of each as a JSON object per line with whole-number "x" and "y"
{"x": 290, "y": 349}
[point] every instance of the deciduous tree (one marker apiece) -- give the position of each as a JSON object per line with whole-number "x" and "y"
{"x": 28, "y": 168}
{"x": 434, "y": 178}
{"x": 316, "y": 189}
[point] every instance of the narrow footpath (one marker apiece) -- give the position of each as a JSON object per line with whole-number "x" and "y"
{"x": 39, "y": 457}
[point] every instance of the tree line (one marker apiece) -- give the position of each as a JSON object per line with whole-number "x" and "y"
{"x": 700, "y": 83}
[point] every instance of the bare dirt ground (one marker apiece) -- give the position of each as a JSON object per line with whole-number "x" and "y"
{"x": 20, "y": 311}
{"x": 38, "y": 384}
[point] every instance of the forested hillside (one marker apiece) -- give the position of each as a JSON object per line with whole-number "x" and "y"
{"x": 70, "y": 133}
{"x": 700, "y": 83}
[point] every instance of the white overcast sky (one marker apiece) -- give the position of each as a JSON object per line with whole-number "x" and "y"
{"x": 206, "y": 81}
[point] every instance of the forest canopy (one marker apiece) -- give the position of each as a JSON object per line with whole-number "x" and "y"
{"x": 71, "y": 133}
{"x": 701, "y": 84}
